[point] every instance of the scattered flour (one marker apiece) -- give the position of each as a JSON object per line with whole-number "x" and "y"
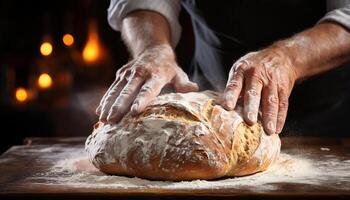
{"x": 76, "y": 171}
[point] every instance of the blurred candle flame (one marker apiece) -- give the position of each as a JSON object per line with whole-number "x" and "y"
{"x": 21, "y": 94}
{"x": 44, "y": 81}
{"x": 92, "y": 51}
{"x": 68, "y": 40}
{"x": 46, "y": 48}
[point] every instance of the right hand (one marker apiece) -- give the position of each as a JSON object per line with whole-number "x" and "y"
{"x": 138, "y": 82}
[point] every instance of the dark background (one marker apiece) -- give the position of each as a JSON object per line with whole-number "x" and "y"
{"x": 67, "y": 108}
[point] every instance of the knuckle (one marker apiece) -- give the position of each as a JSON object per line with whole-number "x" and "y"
{"x": 139, "y": 71}
{"x": 123, "y": 75}
{"x": 283, "y": 92}
{"x": 281, "y": 119}
{"x": 255, "y": 76}
{"x": 126, "y": 92}
{"x": 271, "y": 76}
{"x": 252, "y": 93}
{"x": 254, "y": 72}
{"x": 121, "y": 70}
{"x": 270, "y": 114}
{"x": 119, "y": 74}
{"x": 114, "y": 108}
{"x": 239, "y": 69}
{"x": 239, "y": 65}
{"x": 108, "y": 100}
{"x": 146, "y": 89}
{"x": 112, "y": 91}
{"x": 283, "y": 104}
{"x": 155, "y": 72}
{"x": 272, "y": 99}
{"x": 233, "y": 85}
{"x": 228, "y": 96}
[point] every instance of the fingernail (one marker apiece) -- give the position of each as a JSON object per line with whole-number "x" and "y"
{"x": 98, "y": 110}
{"x": 278, "y": 131}
{"x": 228, "y": 101}
{"x": 229, "y": 105}
{"x": 111, "y": 118}
{"x": 134, "y": 108}
{"x": 102, "y": 117}
{"x": 251, "y": 117}
{"x": 271, "y": 126}
{"x": 194, "y": 86}
{"x": 103, "y": 120}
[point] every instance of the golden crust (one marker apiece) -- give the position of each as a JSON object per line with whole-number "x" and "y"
{"x": 182, "y": 137}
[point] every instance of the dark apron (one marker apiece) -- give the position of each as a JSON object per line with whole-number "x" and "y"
{"x": 226, "y": 30}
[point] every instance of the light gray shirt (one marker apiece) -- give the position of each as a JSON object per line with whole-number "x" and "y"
{"x": 338, "y": 11}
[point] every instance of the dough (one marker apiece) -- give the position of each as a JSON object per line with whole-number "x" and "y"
{"x": 182, "y": 136}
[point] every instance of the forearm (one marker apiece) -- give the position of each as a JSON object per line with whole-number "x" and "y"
{"x": 318, "y": 49}
{"x": 145, "y": 29}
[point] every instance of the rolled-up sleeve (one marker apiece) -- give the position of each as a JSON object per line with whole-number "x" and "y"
{"x": 339, "y": 12}
{"x": 170, "y": 9}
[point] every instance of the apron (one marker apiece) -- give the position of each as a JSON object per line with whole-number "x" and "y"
{"x": 226, "y": 30}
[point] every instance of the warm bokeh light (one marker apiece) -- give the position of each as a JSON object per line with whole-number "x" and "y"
{"x": 46, "y": 48}
{"x": 93, "y": 50}
{"x": 68, "y": 40}
{"x": 21, "y": 94}
{"x": 44, "y": 81}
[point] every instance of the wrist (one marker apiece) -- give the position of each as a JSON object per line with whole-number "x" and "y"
{"x": 158, "y": 54}
{"x": 164, "y": 48}
{"x": 293, "y": 59}
{"x": 159, "y": 50}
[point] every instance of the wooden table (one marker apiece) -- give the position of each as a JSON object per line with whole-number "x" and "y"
{"x": 37, "y": 170}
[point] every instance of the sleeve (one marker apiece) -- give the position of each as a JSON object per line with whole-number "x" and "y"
{"x": 170, "y": 9}
{"x": 339, "y": 12}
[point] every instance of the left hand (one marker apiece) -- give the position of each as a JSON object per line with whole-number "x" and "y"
{"x": 265, "y": 79}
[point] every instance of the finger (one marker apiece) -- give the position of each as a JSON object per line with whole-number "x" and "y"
{"x": 118, "y": 76}
{"x": 148, "y": 92}
{"x": 270, "y": 108}
{"x": 252, "y": 95}
{"x": 110, "y": 99}
{"x": 99, "y": 108}
{"x": 123, "y": 102}
{"x": 282, "y": 110}
{"x": 183, "y": 84}
{"x": 234, "y": 86}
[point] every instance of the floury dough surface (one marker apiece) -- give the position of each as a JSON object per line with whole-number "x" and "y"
{"x": 182, "y": 136}
{"x": 72, "y": 169}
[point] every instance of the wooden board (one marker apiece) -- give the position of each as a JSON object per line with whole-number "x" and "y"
{"x": 57, "y": 168}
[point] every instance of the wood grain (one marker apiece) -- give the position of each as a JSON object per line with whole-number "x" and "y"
{"x": 20, "y": 163}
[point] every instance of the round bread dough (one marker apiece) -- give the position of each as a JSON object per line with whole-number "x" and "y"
{"x": 182, "y": 136}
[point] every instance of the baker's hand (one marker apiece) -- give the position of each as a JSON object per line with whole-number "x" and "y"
{"x": 264, "y": 80}
{"x": 140, "y": 81}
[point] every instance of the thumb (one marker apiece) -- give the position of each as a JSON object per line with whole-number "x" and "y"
{"x": 183, "y": 84}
